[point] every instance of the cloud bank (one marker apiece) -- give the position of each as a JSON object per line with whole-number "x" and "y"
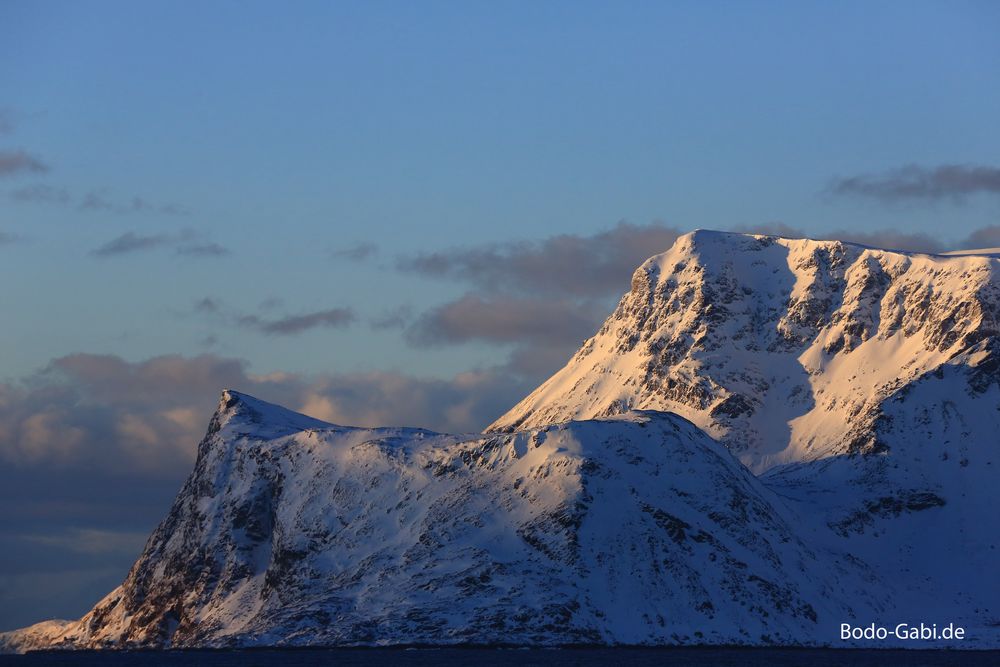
{"x": 568, "y": 264}
{"x": 540, "y": 299}
{"x": 506, "y": 319}
{"x": 916, "y": 182}
{"x": 110, "y": 442}
{"x": 101, "y": 412}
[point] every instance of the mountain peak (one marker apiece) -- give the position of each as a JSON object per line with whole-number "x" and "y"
{"x": 240, "y": 412}
{"x": 704, "y": 238}
{"x": 766, "y": 342}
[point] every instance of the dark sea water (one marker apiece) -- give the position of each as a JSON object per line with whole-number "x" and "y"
{"x": 518, "y": 657}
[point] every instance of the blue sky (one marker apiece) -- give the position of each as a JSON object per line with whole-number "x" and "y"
{"x": 387, "y": 211}
{"x": 291, "y": 134}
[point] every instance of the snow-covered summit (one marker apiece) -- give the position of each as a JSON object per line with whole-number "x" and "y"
{"x": 784, "y": 349}
{"x": 863, "y": 383}
{"x": 241, "y": 411}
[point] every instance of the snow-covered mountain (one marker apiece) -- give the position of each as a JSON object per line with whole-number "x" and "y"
{"x": 790, "y": 350}
{"x": 863, "y": 385}
{"x": 637, "y": 529}
{"x": 859, "y": 387}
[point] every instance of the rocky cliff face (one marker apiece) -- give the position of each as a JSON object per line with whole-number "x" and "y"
{"x": 786, "y": 350}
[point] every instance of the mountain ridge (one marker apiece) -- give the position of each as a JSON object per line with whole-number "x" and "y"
{"x": 767, "y": 438}
{"x": 589, "y": 532}
{"x": 741, "y": 334}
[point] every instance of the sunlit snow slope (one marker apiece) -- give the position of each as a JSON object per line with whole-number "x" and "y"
{"x": 789, "y": 350}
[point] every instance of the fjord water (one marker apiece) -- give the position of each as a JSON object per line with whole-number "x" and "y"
{"x": 455, "y": 657}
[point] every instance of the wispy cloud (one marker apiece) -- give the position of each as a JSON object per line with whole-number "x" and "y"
{"x": 202, "y": 250}
{"x": 330, "y": 318}
{"x": 207, "y": 305}
{"x": 916, "y": 182}
{"x": 333, "y": 318}
{"x": 93, "y": 201}
{"x": 356, "y": 253}
{"x": 14, "y": 162}
{"x": 8, "y": 239}
{"x": 395, "y": 318}
{"x": 130, "y": 242}
{"x": 98, "y": 200}
{"x": 271, "y": 302}
{"x": 41, "y": 193}
{"x": 184, "y": 243}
